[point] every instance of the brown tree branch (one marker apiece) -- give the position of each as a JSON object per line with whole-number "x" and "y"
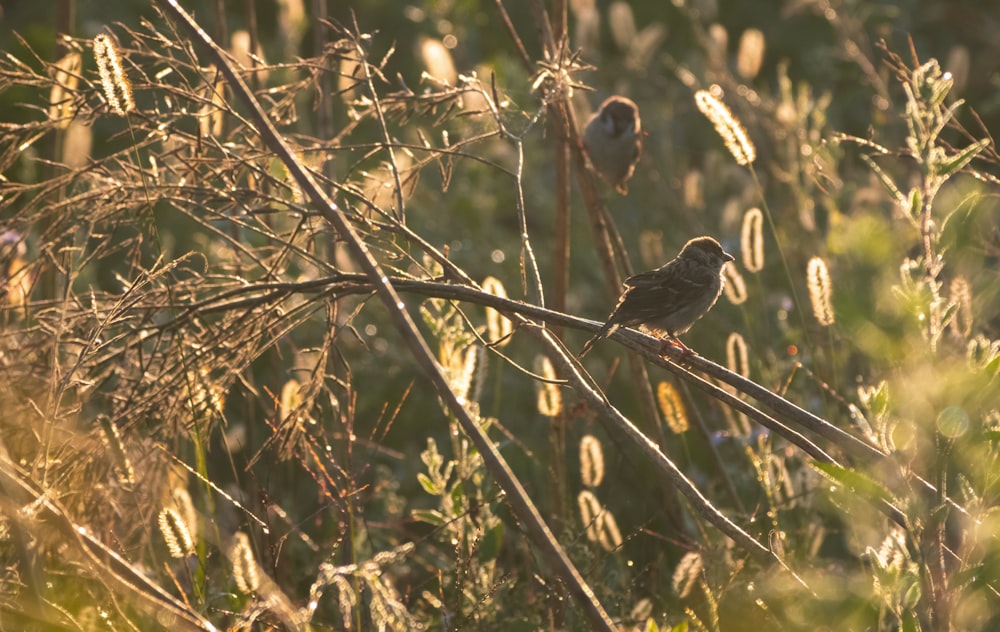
{"x": 519, "y": 500}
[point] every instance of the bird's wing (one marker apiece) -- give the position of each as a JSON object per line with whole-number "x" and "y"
{"x": 683, "y": 279}
{"x": 645, "y": 279}
{"x": 653, "y": 294}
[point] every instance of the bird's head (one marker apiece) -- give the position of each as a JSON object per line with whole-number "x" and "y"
{"x": 619, "y": 116}
{"x": 706, "y": 251}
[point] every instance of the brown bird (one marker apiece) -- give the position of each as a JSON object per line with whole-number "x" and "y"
{"x": 671, "y": 298}
{"x": 613, "y": 140}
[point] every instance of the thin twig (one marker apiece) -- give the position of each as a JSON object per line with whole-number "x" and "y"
{"x": 95, "y": 555}
{"x": 519, "y": 500}
{"x": 595, "y": 398}
{"x": 509, "y": 25}
{"x": 387, "y": 144}
{"x": 264, "y": 294}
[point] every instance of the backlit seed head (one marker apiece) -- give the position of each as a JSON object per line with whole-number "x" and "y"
{"x": 549, "y": 395}
{"x": 961, "y": 298}
{"x": 591, "y": 461}
{"x": 211, "y": 115}
{"x": 245, "y": 572}
{"x": 717, "y": 44}
{"x": 291, "y": 400}
{"x": 175, "y": 533}
{"x": 980, "y": 353}
{"x": 459, "y": 366}
{"x": 752, "y": 240}
{"x": 608, "y": 535}
{"x": 114, "y": 81}
{"x": 438, "y": 63}
{"x": 498, "y": 327}
{"x": 751, "y": 53}
{"x": 893, "y": 553}
{"x": 180, "y": 501}
{"x": 735, "y": 287}
{"x": 694, "y": 189}
{"x": 688, "y": 572}
{"x": 590, "y": 509}
{"x": 600, "y": 524}
{"x": 64, "y": 83}
{"x": 622, "y": 23}
{"x": 672, "y": 407}
{"x": 820, "y": 291}
{"x": 736, "y": 355}
{"x": 124, "y": 472}
{"x": 727, "y": 126}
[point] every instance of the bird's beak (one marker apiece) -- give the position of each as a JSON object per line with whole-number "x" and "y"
{"x": 729, "y": 257}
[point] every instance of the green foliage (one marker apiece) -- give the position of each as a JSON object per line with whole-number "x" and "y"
{"x": 207, "y": 419}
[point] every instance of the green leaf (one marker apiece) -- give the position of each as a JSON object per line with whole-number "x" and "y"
{"x": 856, "y": 481}
{"x": 915, "y": 201}
{"x": 431, "y": 457}
{"x": 884, "y": 179}
{"x": 428, "y": 484}
{"x": 993, "y": 366}
{"x": 430, "y": 516}
{"x": 489, "y": 544}
{"x": 962, "y": 158}
{"x": 457, "y": 494}
{"x": 946, "y": 116}
{"x": 971, "y": 575}
{"x": 910, "y": 623}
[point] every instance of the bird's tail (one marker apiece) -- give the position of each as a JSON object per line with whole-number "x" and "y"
{"x": 605, "y": 331}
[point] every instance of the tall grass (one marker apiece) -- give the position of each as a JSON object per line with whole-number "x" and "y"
{"x": 211, "y": 418}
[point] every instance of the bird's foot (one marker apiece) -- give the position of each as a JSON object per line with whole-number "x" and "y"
{"x": 684, "y": 350}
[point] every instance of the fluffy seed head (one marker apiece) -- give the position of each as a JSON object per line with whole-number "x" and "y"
{"x": 175, "y": 533}
{"x": 498, "y": 327}
{"x": 591, "y": 461}
{"x": 672, "y": 407}
{"x": 64, "y": 83}
{"x": 687, "y": 573}
{"x": 752, "y": 240}
{"x": 736, "y": 355}
{"x": 114, "y": 81}
{"x": 735, "y": 287}
{"x": 245, "y": 572}
{"x": 961, "y": 298}
{"x": 727, "y": 126}
{"x": 820, "y": 291}
{"x": 590, "y": 508}
{"x": 549, "y": 395}
{"x": 751, "y": 53}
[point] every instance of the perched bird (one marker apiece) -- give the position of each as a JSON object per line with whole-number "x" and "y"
{"x": 669, "y": 299}
{"x": 613, "y": 140}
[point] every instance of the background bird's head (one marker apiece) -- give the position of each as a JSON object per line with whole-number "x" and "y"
{"x": 619, "y": 117}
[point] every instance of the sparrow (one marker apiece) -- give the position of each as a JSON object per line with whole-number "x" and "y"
{"x": 671, "y": 298}
{"x": 613, "y": 140}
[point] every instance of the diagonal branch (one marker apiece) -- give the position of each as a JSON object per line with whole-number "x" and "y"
{"x": 261, "y": 294}
{"x": 584, "y": 385}
{"x": 520, "y": 503}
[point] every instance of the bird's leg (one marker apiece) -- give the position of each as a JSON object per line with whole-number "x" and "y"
{"x": 673, "y": 341}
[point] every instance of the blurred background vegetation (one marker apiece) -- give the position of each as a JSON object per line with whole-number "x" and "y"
{"x": 180, "y": 357}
